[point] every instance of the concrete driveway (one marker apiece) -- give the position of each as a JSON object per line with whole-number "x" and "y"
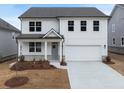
{"x": 93, "y": 75}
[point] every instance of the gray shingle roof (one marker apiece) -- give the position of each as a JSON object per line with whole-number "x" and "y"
{"x": 114, "y": 9}
{"x": 30, "y": 36}
{"x": 121, "y": 5}
{"x": 7, "y": 26}
{"x": 62, "y": 12}
{"x": 35, "y": 36}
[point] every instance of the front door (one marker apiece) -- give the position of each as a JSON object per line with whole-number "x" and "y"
{"x": 54, "y": 50}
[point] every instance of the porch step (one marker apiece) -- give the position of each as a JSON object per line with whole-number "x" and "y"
{"x": 56, "y": 63}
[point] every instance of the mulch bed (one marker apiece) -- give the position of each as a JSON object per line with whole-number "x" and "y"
{"x": 110, "y": 62}
{"x": 107, "y": 60}
{"x": 19, "y": 66}
{"x": 16, "y": 81}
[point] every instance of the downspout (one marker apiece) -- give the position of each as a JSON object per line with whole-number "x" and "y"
{"x": 62, "y": 47}
{"x": 17, "y": 49}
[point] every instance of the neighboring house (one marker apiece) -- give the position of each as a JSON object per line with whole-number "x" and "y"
{"x": 77, "y": 34}
{"x": 116, "y": 29}
{"x": 8, "y": 45}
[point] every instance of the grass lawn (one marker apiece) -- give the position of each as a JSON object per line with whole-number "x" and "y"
{"x": 44, "y": 79}
{"x": 119, "y": 62}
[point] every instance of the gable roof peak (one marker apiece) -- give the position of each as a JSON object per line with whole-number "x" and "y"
{"x": 115, "y": 7}
{"x": 52, "y": 31}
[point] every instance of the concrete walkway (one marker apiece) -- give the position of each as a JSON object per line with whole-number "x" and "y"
{"x": 93, "y": 75}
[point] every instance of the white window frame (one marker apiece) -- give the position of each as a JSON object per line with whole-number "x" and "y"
{"x": 98, "y": 26}
{"x": 83, "y": 25}
{"x": 35, "y": 26}
{"x": 70, "y": 25}
{"x": 35, "y": 47}
{"x": 38, "y": 26}
{"x": 38, "y": 47}
{"x": 113, "y": 27}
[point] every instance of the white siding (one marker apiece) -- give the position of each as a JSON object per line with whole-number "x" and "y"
{"x": 77, "y": 37}
{"x": 89, "y": 37}
{"x": 47, "y": 24}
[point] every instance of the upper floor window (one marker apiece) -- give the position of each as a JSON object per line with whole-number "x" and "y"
{"x": 83, "y": 25}
{"x": 38, "y": 26}
{"x": 122, "y": 41}
{"x": 35, "y": 26}
{"x": 95, "y": 25}
{"x": 34, "y": 46}
{"x": 113, "y": 27}
{"x": 70, "y": 25}
{"x": 31, "y": 26}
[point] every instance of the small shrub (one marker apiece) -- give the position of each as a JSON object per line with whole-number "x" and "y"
{"x": 63, "y": 63}
{"x": 33, "y": 59}
{"x": 108, "y": 59}
{"x": 40, "y": 60}
{"x": 21, "y": 58}
{"x": 46, "y": 64}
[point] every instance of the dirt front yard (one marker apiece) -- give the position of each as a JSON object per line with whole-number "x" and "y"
{"x": 119, "y": 62}
{"x": 44, "y": 79}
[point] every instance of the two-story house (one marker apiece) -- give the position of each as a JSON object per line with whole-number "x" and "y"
{"x": 77, "y": 34}
{"x": 8, "y": 45}
{"x": 116, "y": 29}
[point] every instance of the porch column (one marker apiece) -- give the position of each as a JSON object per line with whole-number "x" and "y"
{"x": 45, "y": 50}
{"x": 60, "y": 51}
{"x": 19, "y": 49}
{"x": 19, "y": 44}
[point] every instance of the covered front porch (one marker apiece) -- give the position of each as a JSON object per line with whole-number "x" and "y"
{"x": 37, "y": 47}
{"x": 41, "y": 50}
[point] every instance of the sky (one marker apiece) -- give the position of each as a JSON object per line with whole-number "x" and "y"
{"x": 11, "y": 12}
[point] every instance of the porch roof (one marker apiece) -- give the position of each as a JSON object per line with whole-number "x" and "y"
{"x": 36, "y": 36}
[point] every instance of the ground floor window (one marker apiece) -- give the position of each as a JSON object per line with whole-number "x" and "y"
{"x": 113, "y": 41}
{"x": 38, "y": 46}
{"x": 34, "y": 46}
{"x": 122, "y": 41}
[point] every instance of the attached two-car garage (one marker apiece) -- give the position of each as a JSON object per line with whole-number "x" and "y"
{"x": 82, "y": 53}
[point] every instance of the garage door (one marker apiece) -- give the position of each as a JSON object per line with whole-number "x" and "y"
{"x": 82, "y": 53}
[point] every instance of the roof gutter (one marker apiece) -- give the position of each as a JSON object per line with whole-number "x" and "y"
{"x": 64, "y": 16}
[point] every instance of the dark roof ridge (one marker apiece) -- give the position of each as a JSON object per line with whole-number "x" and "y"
{"x": 62, "y": 11}
{"x": 62, "y": 7}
